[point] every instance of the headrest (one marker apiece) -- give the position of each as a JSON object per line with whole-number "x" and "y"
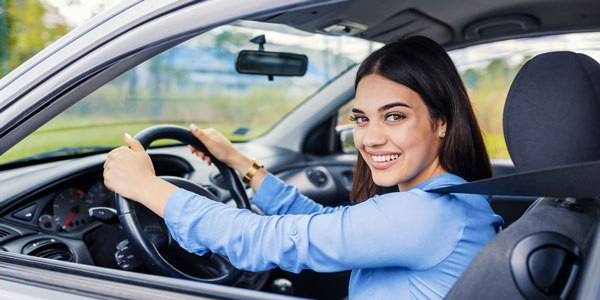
{"x": 552, "y": 112}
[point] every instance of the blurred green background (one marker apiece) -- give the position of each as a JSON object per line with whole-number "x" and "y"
{"x": 195, "y": 82}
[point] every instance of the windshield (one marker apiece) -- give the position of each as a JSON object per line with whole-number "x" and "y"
{"x": 196, "y": 82}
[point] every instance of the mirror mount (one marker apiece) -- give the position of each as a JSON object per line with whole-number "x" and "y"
{"x": 261, "y": 41}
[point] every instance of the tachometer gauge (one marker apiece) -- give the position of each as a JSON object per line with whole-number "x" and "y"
{"x": 98, "y": 196}
{"x": 47, "y": 222}
{"x": 70, "y": 212}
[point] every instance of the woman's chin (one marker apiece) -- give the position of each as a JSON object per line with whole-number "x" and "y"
{"x": 385, "y": 181}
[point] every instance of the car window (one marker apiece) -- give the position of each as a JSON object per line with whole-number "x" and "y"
{"x": 196, "y": 82}
{"x": 28, "y": 26}
{"x": 488, "y": 70}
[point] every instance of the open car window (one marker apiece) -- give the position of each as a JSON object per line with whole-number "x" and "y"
{"x": 196, "y": 82}
{"x": 488, "y": 70}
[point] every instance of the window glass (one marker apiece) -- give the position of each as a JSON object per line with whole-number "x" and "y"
{"x": 196, "y": 82}
{"x": 488, "y": 71}
{"x": 28, "y": 26}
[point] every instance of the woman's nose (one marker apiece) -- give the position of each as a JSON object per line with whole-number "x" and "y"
{"x": 374, "y": 136}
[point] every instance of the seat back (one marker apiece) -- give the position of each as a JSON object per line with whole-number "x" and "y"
{"x": 551, "y": 118}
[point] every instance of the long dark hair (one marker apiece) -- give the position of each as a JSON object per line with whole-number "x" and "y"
{"x": 422, "y": 65}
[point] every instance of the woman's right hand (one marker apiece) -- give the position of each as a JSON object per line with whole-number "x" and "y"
{"x": 220, "y": 147}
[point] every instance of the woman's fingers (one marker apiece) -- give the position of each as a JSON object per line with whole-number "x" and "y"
{"x": 200, "y": 154}
{"x": 193, "y": 150}
{"x": 217, "y": 144}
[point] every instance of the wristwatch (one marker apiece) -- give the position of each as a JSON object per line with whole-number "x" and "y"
{"x": 252, "y": 171}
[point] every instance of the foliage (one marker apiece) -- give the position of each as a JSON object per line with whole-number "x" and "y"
{"x": 26, "y": 34}
{"x": 488, "y": 88}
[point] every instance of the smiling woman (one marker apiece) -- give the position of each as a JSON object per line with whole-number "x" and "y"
{"x": 410, "y": 135}
{"x": 420, "y": 113}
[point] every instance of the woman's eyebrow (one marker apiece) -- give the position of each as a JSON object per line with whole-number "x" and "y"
{"x": 383, "y": 108}
{"x": 391, "y": 105}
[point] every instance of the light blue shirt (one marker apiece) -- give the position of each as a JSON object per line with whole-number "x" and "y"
{"x": 404, "y": 245}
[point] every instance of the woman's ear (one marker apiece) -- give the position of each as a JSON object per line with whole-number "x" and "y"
{"x": 441, "y": 128}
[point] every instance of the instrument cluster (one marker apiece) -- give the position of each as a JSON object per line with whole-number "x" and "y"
{"x": 69, "y": 210}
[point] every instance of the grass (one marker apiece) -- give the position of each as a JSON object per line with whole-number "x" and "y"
{"x": 53, "y": 137}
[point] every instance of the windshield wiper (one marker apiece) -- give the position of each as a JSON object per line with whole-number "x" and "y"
{"x": 66, "y": 151}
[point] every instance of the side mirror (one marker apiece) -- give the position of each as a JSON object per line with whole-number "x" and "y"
{"x": 271, "y": 63}
{"x": 346, "y": 135}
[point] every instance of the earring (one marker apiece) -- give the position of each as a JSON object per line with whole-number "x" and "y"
{"x": 442, "y": 134}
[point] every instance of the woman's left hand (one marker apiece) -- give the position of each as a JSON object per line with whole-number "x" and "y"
{"x": 128, "y": 170}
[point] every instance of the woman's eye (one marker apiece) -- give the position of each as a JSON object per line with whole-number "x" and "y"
{"x": 395, "y": 117}
{"x": 358, "y": 119}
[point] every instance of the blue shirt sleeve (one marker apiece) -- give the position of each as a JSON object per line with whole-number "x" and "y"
{"x": 274, "y": 197}
{"x": 412, "y": 229}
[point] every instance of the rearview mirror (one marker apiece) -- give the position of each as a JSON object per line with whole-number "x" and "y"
{"x": 271, "y": 63}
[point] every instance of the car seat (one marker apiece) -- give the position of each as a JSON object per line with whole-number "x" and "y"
{"x": 552, "y": 130}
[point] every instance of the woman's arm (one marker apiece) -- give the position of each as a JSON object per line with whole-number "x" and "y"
{"x": 401, "y": 229}
{"x": 273, "y": 196}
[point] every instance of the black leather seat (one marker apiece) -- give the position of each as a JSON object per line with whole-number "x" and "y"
{"x": 551, "y": 118}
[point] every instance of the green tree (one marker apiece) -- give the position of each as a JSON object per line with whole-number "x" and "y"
{"x": 30, "y": 27}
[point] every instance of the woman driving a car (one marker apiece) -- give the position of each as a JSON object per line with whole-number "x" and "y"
{"x": 415, "y": 131}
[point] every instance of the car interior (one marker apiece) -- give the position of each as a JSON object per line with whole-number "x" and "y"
{"x": 57, "y": 212}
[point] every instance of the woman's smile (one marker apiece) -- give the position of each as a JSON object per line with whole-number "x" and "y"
{"x": 383, "y": 160}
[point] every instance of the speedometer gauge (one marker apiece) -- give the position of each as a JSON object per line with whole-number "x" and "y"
{"x": 70, "y": 212}
{"x": 98, "y": 195}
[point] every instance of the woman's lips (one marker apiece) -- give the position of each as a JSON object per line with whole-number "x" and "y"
{"x": 383, "y": 161}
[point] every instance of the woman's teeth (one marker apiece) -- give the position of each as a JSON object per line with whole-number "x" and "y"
{"x": 382, "y": 158}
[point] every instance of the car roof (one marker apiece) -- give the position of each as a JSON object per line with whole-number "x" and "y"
{"x": 453, "y": 24}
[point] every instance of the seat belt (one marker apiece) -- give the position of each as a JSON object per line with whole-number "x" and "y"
{"x": 580, "y": 180}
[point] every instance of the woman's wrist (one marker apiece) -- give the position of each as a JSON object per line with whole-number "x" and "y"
{"x": 154, "y": 194}
{"x": 242, "y": 165}
{"x": 258, "y": 178}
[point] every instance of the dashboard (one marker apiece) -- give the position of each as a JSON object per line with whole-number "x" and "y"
{"x": 45, "y": 208}
{"x": 50, "y": 216}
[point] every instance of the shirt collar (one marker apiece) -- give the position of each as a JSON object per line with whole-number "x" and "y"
{"x": 439, "y": 181}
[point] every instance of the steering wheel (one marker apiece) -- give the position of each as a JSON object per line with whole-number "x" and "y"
{"x": 150, "y": 237}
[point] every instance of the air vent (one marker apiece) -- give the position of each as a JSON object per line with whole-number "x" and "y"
{"x": 7, "y": 234}
{"x": 3, "y": 233}
{"x": 317, "y": 177}
{"x": 57, "y": 254}
{"x": 49, "y": 248}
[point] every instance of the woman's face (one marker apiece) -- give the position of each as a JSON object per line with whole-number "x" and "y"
{"x": 395, "y": 133}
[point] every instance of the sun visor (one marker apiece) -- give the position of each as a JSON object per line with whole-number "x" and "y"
{"x": 377, "y": 22}
{"x": 408, "y": 23}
